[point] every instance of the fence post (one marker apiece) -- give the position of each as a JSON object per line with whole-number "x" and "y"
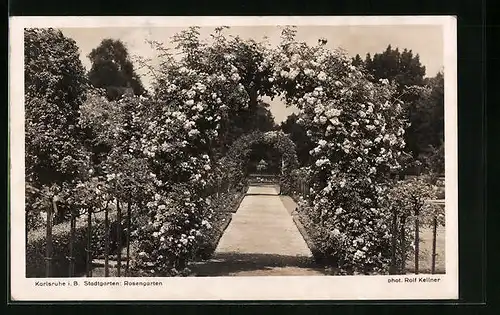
{"x": 119, "y": 238}
{"x": 403, "y": 246}
{"x": 89, "y": 243}
{"x": 392, "y": 268}
{"x": 48, "y": 247}
{"x": 128, "y": 238}
{"x": 106, "y": 243}
{"x": 70, "y": 257}
{"x": 417, "y": 240}
{"x": 434, "y": 233}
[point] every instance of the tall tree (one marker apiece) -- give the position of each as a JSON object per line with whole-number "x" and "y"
{"x": 251, "y": 119}
{"x": 113, "y": 70}
{"x": 299, "y": 136}
{"x": 406, "y": 71}
{"x": 428, "y": 123}
{"x": 357, "y": 61}
{"x": 55, "y": 86}
{"x": 402, "y": 67}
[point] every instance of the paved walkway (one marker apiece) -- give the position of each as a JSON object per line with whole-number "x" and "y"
{"x": 261, "y": 239}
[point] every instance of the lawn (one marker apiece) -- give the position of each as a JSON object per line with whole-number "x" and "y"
{"x": 425, "y": 256}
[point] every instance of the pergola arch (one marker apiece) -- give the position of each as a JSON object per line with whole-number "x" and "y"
{"x": 239, "y": 152}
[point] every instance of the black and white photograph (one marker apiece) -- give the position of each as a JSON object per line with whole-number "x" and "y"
{"x": 233, "y": 158}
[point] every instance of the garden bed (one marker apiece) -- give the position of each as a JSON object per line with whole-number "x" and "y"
{"x": 230, "y": 202}
{"x": 313, "y": 236}
{"x": 223, "y": 214}
{"x": 307, "y": 229}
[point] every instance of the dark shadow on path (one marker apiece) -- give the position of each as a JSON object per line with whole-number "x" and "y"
{"x": 256, "y": 264}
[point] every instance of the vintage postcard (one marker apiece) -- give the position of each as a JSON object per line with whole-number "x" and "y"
{"x": 233, "y": 158}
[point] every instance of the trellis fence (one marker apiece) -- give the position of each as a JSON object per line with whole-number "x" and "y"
{"x": 399, "y": 227}
{"x": 89, "y": 239}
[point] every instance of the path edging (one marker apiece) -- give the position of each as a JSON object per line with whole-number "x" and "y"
{"x": 223, "y": 229}
{"x": 302, "y": 230}
{"x": 305, "y": 235}
{"x": 230, "y": 218}
{"x": 238, "y": 203}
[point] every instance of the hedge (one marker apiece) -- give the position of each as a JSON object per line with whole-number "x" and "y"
{"x": 36, "y": 246}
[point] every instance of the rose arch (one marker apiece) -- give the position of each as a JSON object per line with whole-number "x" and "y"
{"x": 239, "y": 155}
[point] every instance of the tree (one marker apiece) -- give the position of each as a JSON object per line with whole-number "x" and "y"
{"x": 251, "y": 119}
{"x": 55, "y": 86}
{"x": 428, "y": 123}
{"x": 298, "y": 135}
{"x": 113, "y": 70}
{"x": 402, "y": 67}
{"x": 407, "y": 72}
{"x": 357, "y": 61}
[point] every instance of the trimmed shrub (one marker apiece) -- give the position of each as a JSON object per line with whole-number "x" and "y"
{"x": 36, "y": 245}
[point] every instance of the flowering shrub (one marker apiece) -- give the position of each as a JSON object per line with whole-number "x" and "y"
{"x": 359, "y": 136}
{"x": 175, "y": 223}
{"x": 194, "y": 99}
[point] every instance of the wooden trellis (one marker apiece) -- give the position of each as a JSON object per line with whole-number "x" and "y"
{"x": 72, "y": 272}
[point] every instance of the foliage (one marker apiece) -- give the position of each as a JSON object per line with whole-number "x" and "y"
{"x": 406, "y": 71}
{"x": 36, "y": 245}
{"x": 193, "y": 101}
{"x": 406, "y": 201}
{"x": 54, "y": 89}
{"x": 236, "y": 70}
{"x": 55, "y": 86}
{"x": 298, "y": 135}
{"x": 428, "y": 123}
{"x": 175, "y": 225}
{"x": 168, "y": 154}
{"x": 358, "y": 133}
{"x": 113, "y": 70}
{"x": 393, "y": 65}
{"x": 301, "y": 181}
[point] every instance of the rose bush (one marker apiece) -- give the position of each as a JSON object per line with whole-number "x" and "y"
{"x": 359, "y": 136}
{"x": 194, "y": 100}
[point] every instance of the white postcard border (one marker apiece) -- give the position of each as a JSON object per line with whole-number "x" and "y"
{"x": 230, "y": 288}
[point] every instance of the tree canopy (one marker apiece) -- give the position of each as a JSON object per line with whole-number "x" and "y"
{"x": 113, "y": 70}
{"x": 299, "y": 136}
{"x": 403, "y": 67}
{"x": 425, "y": 112}
{"x": 55, "y": 86}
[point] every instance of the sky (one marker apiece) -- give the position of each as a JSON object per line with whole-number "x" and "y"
{"x": 426, "y": 40}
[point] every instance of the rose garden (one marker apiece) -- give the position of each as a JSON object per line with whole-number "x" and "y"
{"x": 145, "y": 183}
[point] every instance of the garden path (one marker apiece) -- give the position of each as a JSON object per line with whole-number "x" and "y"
{"x": 261, "y": 240}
